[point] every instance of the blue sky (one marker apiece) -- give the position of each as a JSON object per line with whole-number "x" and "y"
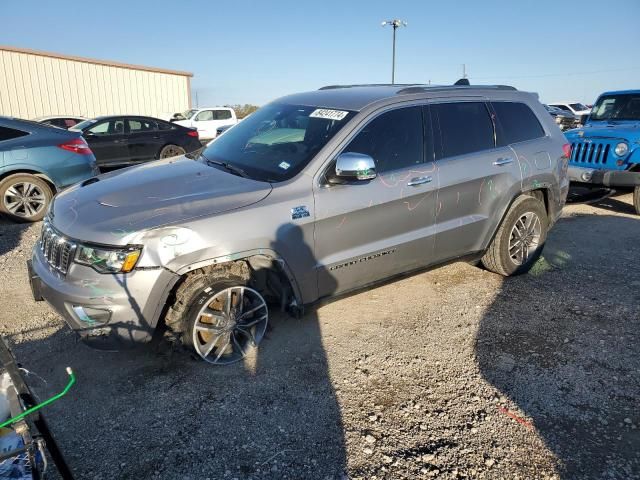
{"x": 251, "y": 52}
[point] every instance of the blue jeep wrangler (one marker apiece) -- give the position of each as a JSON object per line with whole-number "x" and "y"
{"x": 606, "y": 150}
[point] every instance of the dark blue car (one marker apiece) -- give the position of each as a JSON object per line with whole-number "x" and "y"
{"x": 606, "y": 151}
{"x": 36, "y": 161}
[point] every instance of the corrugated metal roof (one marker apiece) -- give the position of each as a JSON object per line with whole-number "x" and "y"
{"x": 94, "y": 61}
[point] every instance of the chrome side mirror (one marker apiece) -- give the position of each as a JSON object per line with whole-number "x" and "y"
{"x": 355, "y": 166}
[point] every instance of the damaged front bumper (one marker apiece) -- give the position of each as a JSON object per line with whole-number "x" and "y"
{"x": 108, "y": 311}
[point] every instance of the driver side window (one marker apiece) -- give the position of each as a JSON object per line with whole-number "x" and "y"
{"x": 394, "y": 139}
{"x": 205, "y": 116}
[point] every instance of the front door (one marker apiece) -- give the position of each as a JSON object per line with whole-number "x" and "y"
{"x": 369, "y": 230}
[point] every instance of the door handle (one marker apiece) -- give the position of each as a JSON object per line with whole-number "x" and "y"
{"x": 503, "y": 161}
{"x": 419, "y": 181}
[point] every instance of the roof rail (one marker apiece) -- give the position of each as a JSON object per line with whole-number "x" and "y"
{"x": 422, "y": 89}
{"x": 332, "y": 87}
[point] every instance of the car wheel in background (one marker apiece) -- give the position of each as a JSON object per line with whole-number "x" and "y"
{"x": 520, "y": 239}
{"x": 169, "y": 151}
{"x": 636, "y": 199}
{"x": 24, "y": 197}
{"x": 218, "y": 316}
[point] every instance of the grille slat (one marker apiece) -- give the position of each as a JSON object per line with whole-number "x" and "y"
{"x": 56, "y": 248}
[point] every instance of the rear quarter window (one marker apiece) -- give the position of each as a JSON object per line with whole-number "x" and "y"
{"x": 7, "y": 133}
{"x": 516, "y": 123}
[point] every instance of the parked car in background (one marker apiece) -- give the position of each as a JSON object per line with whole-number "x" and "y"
{"x": 60, "y": 121}
{"x": 606, "y": 150}
{"x": 206, "y": 120}
{"x": 313, "y": 195}
{"x": 221, "y": 130}
{"x": 38, "y": 161}
{"x": 564, "y": 119}
{"x": 123, "y": 140}
{"x": 576, "y": 108}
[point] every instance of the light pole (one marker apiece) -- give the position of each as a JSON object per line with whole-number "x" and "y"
{"x": 395, "y": 23}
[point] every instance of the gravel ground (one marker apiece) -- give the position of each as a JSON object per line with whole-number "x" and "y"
{"x": 453, "y": 373}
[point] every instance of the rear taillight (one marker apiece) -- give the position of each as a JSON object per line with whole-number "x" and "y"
{"x": 193, "y": 133}
{"x": 77, "y": 145}
{"x": 566, "y": 150}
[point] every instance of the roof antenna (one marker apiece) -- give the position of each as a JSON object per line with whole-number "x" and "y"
{"x": 462, "y": 81}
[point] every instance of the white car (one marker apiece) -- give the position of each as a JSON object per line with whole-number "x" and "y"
{"x": 207, "y": 120}
{"x": 576, "y": 108}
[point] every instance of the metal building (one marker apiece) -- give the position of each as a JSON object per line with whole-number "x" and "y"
{"x": 35, "y": 84}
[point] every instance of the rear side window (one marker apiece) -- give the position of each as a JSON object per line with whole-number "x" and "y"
{"x": 139, "y": 125}
{"x": 165, "y": 126}
{"x": 394, "y": 140}
{"x": 11, "y": 133}
{"x": 465, "y": 127}
{"x": 221, "y": 115}
{"x": 516, "y": 123}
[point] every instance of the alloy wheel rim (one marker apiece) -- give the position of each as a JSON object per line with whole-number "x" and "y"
{"x": 525, "y": 237}
{"x": 24, "y": 199}
{"x": 232, "y": 322}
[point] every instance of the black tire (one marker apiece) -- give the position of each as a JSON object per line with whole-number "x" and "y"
{"x": 636, "y": 199}
{"x": 39, "y": 197}
{"x": 497, "y": 257}
{"x": 171, "y": 150}
{"x": 197, "y": 290}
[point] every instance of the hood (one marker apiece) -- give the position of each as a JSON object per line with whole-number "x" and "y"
{"x": 623, "y": 129}
{"x": 111, "y": 207}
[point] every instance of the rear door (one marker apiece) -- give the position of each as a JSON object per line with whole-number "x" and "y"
{"x": 477, "y": 178}
{"x": 145, "y": 140}
{"x": 108, "y": 141}
{"x": 370, "y": 230}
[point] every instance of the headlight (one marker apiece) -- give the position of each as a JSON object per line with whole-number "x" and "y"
{"x": 108, "y": 260}
{"x": 621, "y": 149}
{"x": 558, "y": 119}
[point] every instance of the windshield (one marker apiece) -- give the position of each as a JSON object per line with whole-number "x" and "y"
{"x": 578, "y": 106}
{"x": 187, "y": 114}
{"x": 277, "y": 141}
{"x": 620, "y": 106}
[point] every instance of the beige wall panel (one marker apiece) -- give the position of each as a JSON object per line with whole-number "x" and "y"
{"x": 39, "y": 84}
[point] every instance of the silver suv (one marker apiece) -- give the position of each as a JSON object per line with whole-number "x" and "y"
{"x": 313, "y": 195}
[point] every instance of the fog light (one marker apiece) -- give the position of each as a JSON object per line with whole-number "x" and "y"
{"x": 91, "y": 316}
{"x": 586, "y": 176}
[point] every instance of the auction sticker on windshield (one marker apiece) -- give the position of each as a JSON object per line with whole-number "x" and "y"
{"x": 328, "y": 114}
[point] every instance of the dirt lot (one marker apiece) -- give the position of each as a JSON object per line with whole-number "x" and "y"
{"x": 453, "y": 373}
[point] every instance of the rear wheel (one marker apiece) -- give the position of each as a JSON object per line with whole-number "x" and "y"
{"x": 218, "y": 316}
{"x": 169, "y": 151}
{"x": 636, "y": 199}
{"x": 24, "y": 197}
{"x": 520, "y": 239}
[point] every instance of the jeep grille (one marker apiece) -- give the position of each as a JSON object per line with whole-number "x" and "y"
{"x": 590, "y": 153}
{"x": 56, "y": 248}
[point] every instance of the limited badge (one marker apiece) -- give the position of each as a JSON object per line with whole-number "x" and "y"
{"x": 299, "y": 212}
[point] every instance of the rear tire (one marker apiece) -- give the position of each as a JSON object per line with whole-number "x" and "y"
{"x": 25, "y": 197}
{"x": 520, "y": 239}
{"x": 217, "y": 316}
{"x": 171, "y": 150}
{"x": 636, "y": 199}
